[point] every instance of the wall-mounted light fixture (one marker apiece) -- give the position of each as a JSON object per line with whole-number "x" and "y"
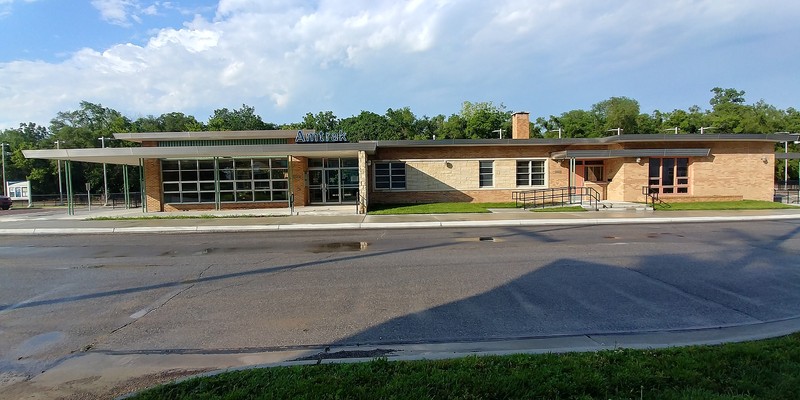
{"x": 764, "y": 159}
{"x": 638, "y": 160}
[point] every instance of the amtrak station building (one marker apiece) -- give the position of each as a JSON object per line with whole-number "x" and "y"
{"x": 263, "y": 169}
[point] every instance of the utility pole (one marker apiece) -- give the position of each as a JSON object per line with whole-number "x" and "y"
{"x": 5, "y": 182}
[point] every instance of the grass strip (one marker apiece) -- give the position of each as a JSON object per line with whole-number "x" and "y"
{"x": 436, "y": 208}
{"x": 766, "y": 369}
{"x": 202, "y": 216}
{"x": 724, "y": 205}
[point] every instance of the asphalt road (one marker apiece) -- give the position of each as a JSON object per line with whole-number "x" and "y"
{"x": 197, "y": 293}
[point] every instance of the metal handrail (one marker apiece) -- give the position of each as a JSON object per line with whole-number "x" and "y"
{"x": 554, "y": 196}
{"x": 651, "y": 193}
{"x": 361, "y": 200}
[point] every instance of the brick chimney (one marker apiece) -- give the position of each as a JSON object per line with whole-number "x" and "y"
{"x": 521, "y": 125}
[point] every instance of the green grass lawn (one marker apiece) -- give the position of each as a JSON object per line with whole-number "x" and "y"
{"x": 724, "y": 205}
{"x": 767, "y": 369}
{"x": 436, "y": 208}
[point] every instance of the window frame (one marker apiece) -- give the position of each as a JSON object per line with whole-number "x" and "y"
{"x": 678, "y": 178}
{"x": 530, "y": 173}
{"x": 393, "y": 175}
{"x": 483, "y": 176}
{"x": 241, "y": 180}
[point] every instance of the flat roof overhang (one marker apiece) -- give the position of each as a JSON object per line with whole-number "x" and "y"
{"x": 641, "y": 138}
{"x": 209, "y": 135}
{"x": 787, "y": 156}
{"x": 133, "y": 155}
{"x": 603, "y": 154}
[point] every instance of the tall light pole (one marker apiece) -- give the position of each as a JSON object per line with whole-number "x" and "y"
{"x": 703, "y": 129}
{"x": 105, "y": 178}
{"x": 60, "y": 186}
{"x": 5, "y": 182}
{"x": 618, "y": 130}
{"x": 675, "y": 129}
{"x": 500, "y": 131}
{"x": 557, "y": 130}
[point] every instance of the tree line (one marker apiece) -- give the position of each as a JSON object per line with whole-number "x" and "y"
{"x": 83, "y": 128}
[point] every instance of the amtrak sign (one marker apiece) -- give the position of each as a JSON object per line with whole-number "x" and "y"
{"x": 321, "y": 137}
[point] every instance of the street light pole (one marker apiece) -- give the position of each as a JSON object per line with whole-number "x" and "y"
{"x": 60, "y": 186}
{"x": 105, "y": 177}
{"x": 786, "y": 165}
{"x": 703, "y": 129}
{"x": 618, "y": 130}
{"x": 5, "y": 182}
{"x": 500, "y": 131}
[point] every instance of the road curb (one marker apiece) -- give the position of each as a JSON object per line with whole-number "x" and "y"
{"x": 388, "y": 225}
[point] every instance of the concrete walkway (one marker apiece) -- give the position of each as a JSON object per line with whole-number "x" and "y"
{"x": 57, "y": 221}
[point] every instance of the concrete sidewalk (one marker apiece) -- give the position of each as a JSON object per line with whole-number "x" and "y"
{"x": 57, "y": 221}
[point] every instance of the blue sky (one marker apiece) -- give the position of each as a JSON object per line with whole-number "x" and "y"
{"x": 287, "y": 57}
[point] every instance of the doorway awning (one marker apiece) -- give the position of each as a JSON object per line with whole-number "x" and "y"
{"x": 603, "y": 154}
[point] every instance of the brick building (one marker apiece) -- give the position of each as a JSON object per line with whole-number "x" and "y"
{"x": 259, "y": 169}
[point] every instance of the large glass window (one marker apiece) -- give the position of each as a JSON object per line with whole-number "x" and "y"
{"x": 240, "y": 180}
{"x": 486, "y": 174}
{"x": 669, "y": 175}
{"x": 530, "y": 173}
{"x": 390, "y": 175}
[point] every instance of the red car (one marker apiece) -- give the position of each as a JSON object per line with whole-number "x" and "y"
{"x": 5, "y": 202}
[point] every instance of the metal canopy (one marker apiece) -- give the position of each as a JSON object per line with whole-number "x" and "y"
{"x": 600, "y": 154}
{"x": 132, "y": 155}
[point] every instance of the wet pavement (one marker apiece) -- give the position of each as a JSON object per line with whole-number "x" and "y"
{"x": 104, "y": 220}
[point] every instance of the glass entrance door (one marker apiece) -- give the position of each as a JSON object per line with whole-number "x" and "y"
{"x": 333, "y": 180}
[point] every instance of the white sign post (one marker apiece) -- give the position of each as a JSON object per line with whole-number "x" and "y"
{"x": 20, "y": 190}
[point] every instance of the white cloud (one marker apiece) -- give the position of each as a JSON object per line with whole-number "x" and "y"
{"x": 289, "y": 57}
{"x": 121, "y": 12}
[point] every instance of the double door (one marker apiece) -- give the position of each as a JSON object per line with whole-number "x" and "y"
{"x": 333, "y": 180}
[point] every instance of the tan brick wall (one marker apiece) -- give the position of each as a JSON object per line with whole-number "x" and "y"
{"x": 452, "y": 174}
{"x": 225, "y": 206}
{"x": 735, "y": 169}
{"x": 299, "y": 168}
{"x": 152, "y": 184}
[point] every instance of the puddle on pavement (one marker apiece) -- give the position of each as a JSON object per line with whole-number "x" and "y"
{"x": 38, "y": 343}
{"x": 479, "y": 239}
{"x": 339, "y": 247}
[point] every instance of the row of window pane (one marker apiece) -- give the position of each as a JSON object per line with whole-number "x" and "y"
{"x": 390, "y": 175}
{"x": 486, "y": 174}
{"x": 240, "y": 180}
{"x": 530, "y": 173}
{"x": 669, "y": 175}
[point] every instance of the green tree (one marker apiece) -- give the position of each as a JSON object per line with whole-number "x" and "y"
{"x": 323, "y": 121}
{"x": 483, "y": 118}
{"x": 366, "y": 126}
{"x": 617, "y": 112}
{"x": 579, "y": 124}
{"x": 243, "y": 119}
{"x": 402, "y": 125}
